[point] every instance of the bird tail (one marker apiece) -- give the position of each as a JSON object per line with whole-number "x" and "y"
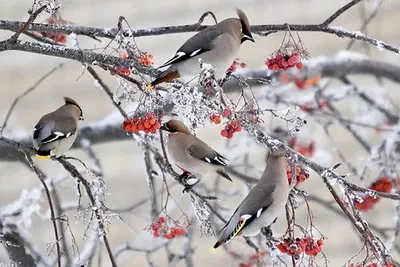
{"x": 217, "y": 245}
{"x": 165, "y": 76}
{"x": 224, "y": 174}
{"x": 43, "y": 154}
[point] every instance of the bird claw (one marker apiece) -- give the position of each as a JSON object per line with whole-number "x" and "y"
{"x": 267, "y": 232}
{"x": 188, "y": 180}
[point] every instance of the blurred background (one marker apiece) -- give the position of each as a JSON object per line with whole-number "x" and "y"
{"x": 122, "y": 162}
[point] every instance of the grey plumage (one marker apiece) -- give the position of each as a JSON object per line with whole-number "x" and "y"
{"x": 262, "y": 205}
{"x": 217, "y": 45}
{"x": 55, "y": 132}
{"x": 190, "y": 153}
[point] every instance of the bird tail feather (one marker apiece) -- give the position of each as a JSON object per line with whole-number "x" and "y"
{"x": 165, "y": 76}
{"x": 224, "y": 174}
{"x": 43, "y": 154}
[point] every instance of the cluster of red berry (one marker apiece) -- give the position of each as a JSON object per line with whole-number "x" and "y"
{"x": 284, "y": 60}
{"x": 217, "y": 118}
{"x": 307, "y": 245}
{"x": 55, "y": 36}
{"x": 161, "y": 229}
{"x": 146, "y": 59}
{"x": 230, "y": 128}
{"x": 253, "y": 259}
{"x": 307, "y": 150}
{"x": 122, "y": 70}
{"x": 301, "y": 175}
{"x": 236, "y": 63}
{"x": 383, "y": 185}
{"x": 374, "y": 264}
{"x": 148, "y": 124}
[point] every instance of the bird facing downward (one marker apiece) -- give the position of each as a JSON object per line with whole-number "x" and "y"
{"x": 55, "y": 132}
{"x": 190, "y": 153}
{"x": 262, "y": 205}
{"x": 217, "y": 45}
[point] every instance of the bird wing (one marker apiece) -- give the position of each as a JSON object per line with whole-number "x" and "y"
{"x": 251, "y": 208}
{"x": 203, "y": 152}
{"x": 47, "y": 130}
{"x": 196, "y": 45}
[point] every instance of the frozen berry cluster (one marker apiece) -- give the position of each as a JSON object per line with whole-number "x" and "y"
{"x": 284, "y": 60}
{"x": 296, "y": 247}
{"x": 236, "y": 63}
{"x": 161, "y": 228}
{"x": 383, "y": 185}
{"x": 301, "y": 175}
{"x": 148, "y": 124}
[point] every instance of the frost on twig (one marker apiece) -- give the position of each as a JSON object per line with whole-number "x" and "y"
{"x": 202, "y": 215}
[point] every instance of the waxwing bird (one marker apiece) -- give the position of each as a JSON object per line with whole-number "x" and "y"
{"x": 262, "y": 205}
{"x": 217, "y": 45}
{"x": 55, "y": 132}
{"x": 190, "y": 153}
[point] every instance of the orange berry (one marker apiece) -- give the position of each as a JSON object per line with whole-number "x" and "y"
{"x": 153, "y": 121}
{"x": 147, "y": 125}
{"x": 169, "y": 235}
{"x": 141, "y": 126}
{"x": 217, "y": 120}
{"x": 134, "y": 128}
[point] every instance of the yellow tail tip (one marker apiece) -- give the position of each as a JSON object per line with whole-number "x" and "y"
{"x": 43, "y": 157}
{"x": 149, "y": 87}
{"x": 212, "y": 249}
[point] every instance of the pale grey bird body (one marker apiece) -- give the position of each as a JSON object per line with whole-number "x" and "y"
{"x": 55, "y": 132}
{"x": 190, "y": 153}
{"x": 217, "y": 45}
{"x": 262, "y": 205}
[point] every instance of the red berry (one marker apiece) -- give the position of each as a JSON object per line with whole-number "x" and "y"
{"x": 226, "y": 113}
{"x": 156, "y": 234}
{"x": 320, "y": 242}
{"x": 168, "y": 235}
{"x": 229, "y": 135}
{"x": 224, "y": 133}
{"x": 243, "y": 65}
{"x": 161, "y": 219}
{"x": 299, "y": 65}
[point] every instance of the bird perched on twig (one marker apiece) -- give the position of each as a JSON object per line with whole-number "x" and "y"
{"x": 190, "y": 153}
{"x": 262, "y": 205}
{"x": 217, "y": 45}
{"x": 55, "y": 132}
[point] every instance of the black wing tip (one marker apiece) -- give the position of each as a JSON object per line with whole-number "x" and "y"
{"x": 225, "y": 175}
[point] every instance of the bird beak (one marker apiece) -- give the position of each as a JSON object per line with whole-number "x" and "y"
{"x": 81, "y": 118}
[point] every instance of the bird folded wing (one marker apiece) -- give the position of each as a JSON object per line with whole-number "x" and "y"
{"x": 206, "y": 154}
{"x": 47, "y": 132}
{"x": 197, "y": 45}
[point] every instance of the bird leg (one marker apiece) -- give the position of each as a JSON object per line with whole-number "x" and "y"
{"x": 267, "y": 232}
{"x": 188, "y": 180}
